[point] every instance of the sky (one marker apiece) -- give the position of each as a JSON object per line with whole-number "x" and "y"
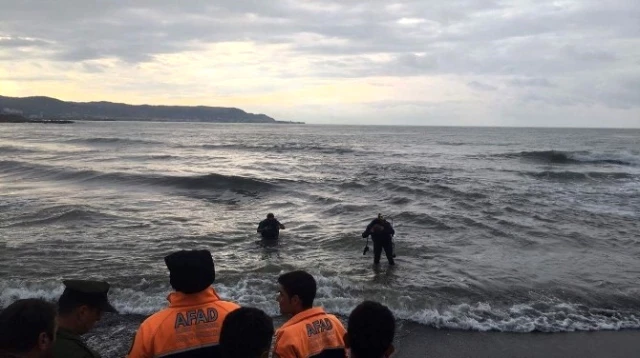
{"x": 456, "y": 62}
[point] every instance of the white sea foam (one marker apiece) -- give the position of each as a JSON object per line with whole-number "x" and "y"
{"x": 481, "y": 316}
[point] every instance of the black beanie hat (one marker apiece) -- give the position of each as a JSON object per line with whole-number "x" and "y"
{"x": 190, "y": 271}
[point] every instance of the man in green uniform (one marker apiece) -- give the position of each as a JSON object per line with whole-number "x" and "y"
{"x": 79, "y": 308}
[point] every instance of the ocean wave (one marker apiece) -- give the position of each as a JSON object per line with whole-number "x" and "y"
{"x": 111, "y": 141}
{"x": 12, "y": 290}
{"x": 147, "y": 157}
{"x": 579, "y": 176}
{"x": 337, "y": 295}
{"x": 576, "y": 157}
{"x": 407, "y": 217}
{"x": 532, "y": 317}
{"x": 8, "y": 149}
{"x": 56, "y": 214}
{"x": 450, "y": 191}
{"x": 198, "y": 182}
{"x": 341, "y": 209}
{"x": 279, "y": 148}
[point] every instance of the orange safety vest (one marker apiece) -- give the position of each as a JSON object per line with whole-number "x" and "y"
{"x": 311, "y": 333}
{"x": 189, "y": 326}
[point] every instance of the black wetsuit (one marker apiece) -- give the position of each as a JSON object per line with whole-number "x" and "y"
{"x": 381, "y": 240}
{"x": 269, "y": 229}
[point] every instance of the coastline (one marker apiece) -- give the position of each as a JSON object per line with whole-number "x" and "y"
{"x": 415, "y": 340}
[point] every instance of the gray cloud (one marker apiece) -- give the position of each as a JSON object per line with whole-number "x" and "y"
{"x": 530, "y": 82}
{"x": 569, "y": 53}
{"x": 16, "y": 42}
{"x": 481, "y": 86}
{"x": 33, "y": 78}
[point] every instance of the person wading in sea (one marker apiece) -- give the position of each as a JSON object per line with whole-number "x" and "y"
{"x": 381, "y": 233}
{"x": 270, "y": 227}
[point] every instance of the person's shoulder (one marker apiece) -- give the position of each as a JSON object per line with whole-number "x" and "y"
{"x": 335, "y": 320}
{"x": 285, "y": 341}
{"x": 72, "y": 348}
{"x": 289, "y": 335}
{"x": 333, "y": 317}
{"x": 158, "y": 317}
{"x": 227, "y": 305}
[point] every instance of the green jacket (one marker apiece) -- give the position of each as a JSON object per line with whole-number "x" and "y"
{"x": 71, "y": 345}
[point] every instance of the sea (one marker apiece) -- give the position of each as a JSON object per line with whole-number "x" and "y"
{"x": 497, "y": 229}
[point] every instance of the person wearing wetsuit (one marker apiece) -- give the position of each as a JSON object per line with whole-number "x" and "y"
{"x": 270, "y": 227}
{"x": 381, "y": 233}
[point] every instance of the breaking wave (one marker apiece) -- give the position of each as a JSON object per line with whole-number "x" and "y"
{"x": 478, "y": 316}
{"x": 576, "y": 157}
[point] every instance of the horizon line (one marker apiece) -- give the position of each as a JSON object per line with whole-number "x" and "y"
{"x": 282, "y": 122}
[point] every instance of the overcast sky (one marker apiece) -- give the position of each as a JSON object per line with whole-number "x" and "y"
{"x": 453, "y": 62}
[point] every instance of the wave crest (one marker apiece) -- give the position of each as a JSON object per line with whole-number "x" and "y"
{"x": 198, "y": 182}
{"x": 576, "y": 157}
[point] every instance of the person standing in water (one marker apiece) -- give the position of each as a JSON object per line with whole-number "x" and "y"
{"x": 381, "y": 233}
{"x": 270, "y": 227}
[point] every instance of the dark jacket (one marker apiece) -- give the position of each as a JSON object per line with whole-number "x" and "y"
{"x": 386, "y": 231}
{"x": 269, "y": 228}
{"x": 71, "y": 345}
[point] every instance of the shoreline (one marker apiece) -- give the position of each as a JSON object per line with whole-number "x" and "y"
{"x": 415, "y": 340}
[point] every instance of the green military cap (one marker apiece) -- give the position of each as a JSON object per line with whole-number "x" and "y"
{"x": 89, "y": 292}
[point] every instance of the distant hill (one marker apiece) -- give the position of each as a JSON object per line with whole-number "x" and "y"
{"x": 16, "y": 118}
{"x": 46, "y": 107}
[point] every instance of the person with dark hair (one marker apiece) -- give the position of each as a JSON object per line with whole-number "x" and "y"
{"x": 370, "y": 331}
{"x": 190, "y": 326}
{"x": 270, "y": 227}
{"x": 381, "y": 233}
{"x": 79, "y": 308}
{"x": 311, "y": 332}
{"x": 28, "y": 329}
{"x": 246, "y": 333}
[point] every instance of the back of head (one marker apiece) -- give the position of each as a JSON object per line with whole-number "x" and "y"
{"x": 23, "y": 322}
{"x": 301, "y": 284}
{"x": 370, "y": 328}
{"x": 246, "y": 333}
{"x": 190, "y": 271}
{"x": 270, "y": 216}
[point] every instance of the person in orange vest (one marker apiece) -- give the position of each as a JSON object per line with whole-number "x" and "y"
{"x": 246, "y": 333}
{"x": 370, "y": 330}
{"x": 191, "y": 325}
{"x": 311, "y": 332}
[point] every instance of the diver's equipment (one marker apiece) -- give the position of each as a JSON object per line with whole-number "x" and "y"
{"x": 393, "y": 243}
{"x": 366, "y": 247}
